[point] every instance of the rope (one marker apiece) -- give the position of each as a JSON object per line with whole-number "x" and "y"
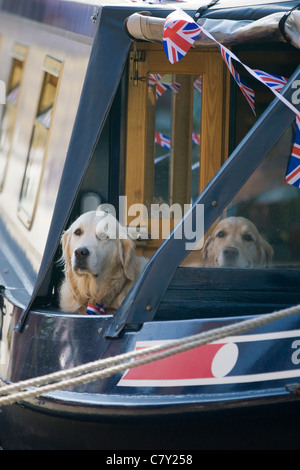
{"x": 106, "y": 367}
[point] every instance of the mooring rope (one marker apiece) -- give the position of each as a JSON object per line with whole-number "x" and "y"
{"x": 102, "y": 368}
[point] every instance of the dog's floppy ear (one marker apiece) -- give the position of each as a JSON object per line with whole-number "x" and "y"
{"x": 65, "y": 247}
{"x": 267, "y": 250}
{"x": 206, "y": 251}
{"x": 128, "y": 257}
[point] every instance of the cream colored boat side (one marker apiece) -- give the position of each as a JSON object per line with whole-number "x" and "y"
{"x": 73, "y": 51}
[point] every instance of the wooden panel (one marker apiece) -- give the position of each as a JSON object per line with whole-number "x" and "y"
{"x": 212, "y": 120}
{"x": 205, "y": 292}
{"x": 219, "y": 309}
{"x": 136, "y": 140}
{"x": 262, "y": 280}
{"x": 181, "y": 141}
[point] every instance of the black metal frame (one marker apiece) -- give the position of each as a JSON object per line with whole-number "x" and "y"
{"x": 147, "y": 293}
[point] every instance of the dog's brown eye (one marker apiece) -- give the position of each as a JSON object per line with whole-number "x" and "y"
{"x": 221, "y": 234}
{"x": 247, "y": 237}
{"x": 78, "y": 232}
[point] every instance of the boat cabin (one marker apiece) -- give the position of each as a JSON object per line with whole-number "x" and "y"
{"x": 98, "y": 113}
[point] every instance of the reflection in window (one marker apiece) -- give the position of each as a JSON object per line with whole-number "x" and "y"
{"x": 272, "y": 205}
{"x": 39, "y": 138}
{"x": 10, "y": 111}
{"x": 175, "y": 113}
{"x": 195, "y": 178}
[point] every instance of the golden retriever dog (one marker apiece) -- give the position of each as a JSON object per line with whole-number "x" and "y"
{"x": 100, "y": 264}
{"x": 236, "y": 243}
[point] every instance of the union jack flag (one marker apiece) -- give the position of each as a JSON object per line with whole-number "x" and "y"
{"x": 160, "y": 89}
{"x": 180, "y": 32}
{"x": 174, "y": 86}
{"x": 293, "y": 170}
{"x": 275, "y": 82}
{"x": 162, "y": 86}
{"x": 162, "y": 140}
{"x": 198, "y": 84}
{"x": 245, "y": 89}
{"x": 196, "y": 138}
{"x": 292, "y": 176}
{"x": 154, "y": 78}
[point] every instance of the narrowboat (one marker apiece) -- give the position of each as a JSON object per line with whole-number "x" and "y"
{"x": 190, "y": 110}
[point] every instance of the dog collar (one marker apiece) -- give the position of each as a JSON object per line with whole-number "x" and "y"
{"x": 95, "y": 309}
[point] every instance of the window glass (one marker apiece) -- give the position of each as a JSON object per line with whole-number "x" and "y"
{"x": 39, "y": 138}
{"x": 272, "y": 204}
{"x": 195, "y": 167}
{"x": 175, "y": 100}
{"x": 10, "y": 109}
{"x": 271, "y": 238}
{"x": 159, "y": 90}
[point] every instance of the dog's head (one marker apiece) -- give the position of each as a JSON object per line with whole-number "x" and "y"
{"x": 236, "y": 243}
{"x": 95, "y": 244}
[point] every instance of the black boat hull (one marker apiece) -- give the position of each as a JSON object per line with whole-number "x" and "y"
{"x": 274, "y": 427}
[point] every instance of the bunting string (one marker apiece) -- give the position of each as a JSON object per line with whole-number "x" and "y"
{"x": 155, "y": 79}
{"x": 180, "y": 33}
{"x": 293, "y": 170}
{"x": 163, "y": 140}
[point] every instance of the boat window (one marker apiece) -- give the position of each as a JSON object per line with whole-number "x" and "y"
{"x": 39, "y": 139}
{"x": 266, "y": 199}
{"x": 275, "y": 60}
{"x": 175, "y": 106}
{"x": 272, "y": 206}
{"x": 176, "y": 123}
{"x": 13, "y": 87}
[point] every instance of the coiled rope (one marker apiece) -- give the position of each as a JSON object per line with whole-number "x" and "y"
{"x": 102, "y": 368}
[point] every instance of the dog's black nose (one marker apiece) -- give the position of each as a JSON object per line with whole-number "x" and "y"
{"x": 81, "y": 253}
{"x": 230, "y": 252}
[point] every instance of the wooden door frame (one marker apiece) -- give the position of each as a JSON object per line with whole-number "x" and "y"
{"x": 148, "y": 58}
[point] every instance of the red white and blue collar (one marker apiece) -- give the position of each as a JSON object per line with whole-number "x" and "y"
{"x": 95, "y": 309}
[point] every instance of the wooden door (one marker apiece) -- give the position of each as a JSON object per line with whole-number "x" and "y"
{"x": 176, "y": 135}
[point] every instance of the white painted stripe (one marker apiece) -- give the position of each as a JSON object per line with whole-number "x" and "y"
{"x": 286, "y": 374}
{"x": 231, "y": 339}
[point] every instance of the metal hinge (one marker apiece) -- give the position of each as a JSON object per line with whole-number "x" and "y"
{"x": 136, "y": 57}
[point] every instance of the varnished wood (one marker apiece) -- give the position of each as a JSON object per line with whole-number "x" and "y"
{"x": 141, "y": 121}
